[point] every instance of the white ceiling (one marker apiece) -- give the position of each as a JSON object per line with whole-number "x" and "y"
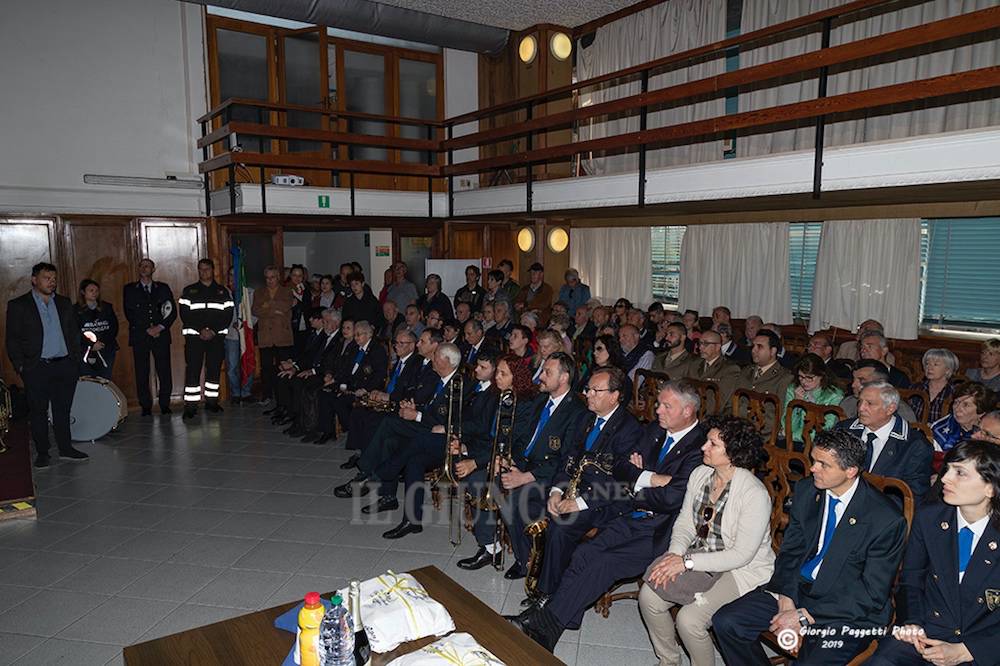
{"x": 516, "y": 14}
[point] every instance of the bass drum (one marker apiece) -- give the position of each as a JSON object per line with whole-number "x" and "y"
{"x": 98, "y": 408}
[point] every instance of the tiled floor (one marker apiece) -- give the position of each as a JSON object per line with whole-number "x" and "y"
{"x": 172, "y": 525}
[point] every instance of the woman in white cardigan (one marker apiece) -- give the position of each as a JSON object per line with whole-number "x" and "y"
{"x": 720, "y": 547}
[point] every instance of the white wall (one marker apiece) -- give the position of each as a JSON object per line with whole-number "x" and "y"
{"x": 104, "y": 87}
{"x": 325, "y": 251}
{"x": 461, "y": 95}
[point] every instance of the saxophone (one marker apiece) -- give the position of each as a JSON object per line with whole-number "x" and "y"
{"x": 536, "y": 530}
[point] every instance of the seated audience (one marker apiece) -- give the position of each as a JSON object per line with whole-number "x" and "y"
{"x": 721, "y": 315}
{"x": 519, "y": 344}
{"x": 549, "y": 343}
{"x": 583, "y": 327}
{"x": 434, "y": 299}
{"x": 673, "y": 358}
{"x": 866, "y": 371}
{"x": 851, "y": 349}
{"x": 653, "y": 465}
{"x": 940, "y": 365}
{"x": 751, "y": 326}
{"x": 486, "y": 316}
{"x": 573, "y": 293}
{"x": 502, "y": 324}
{"x": 821, "y": 345}
{"x": 620, "y": 312}
{"x": 892, "y": 447}
{"x": 988, "y": 372}
{"x": 536, "y": 295}
{"x": 951, "y": 577}
{"x": 720, "y": 546}
{"x": 414, "y": 319}
{"x": 835, "y": 567}
{"x": 494, "y": 288}
{"x": 637, "y": 354}
{"x": 392, "y": 320}
{"x": 786, "y": 358}
{"x": 463, "y": 312}
{"x": 989, "y": 428}
{"x": 476, "y": 342}
{"x": 732, "y": 351}
{"x": 716, "y": 368}
{"x": 560, "y": 324}
{"x": 692, "y": 322}
{"x": 874, "y": 346}
{"x": 970, "y": 403}
{"x": 812, "y": 382}
{"x": 606, "y": 353}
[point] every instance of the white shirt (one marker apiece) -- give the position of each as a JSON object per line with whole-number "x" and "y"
{"x": 444, "y": 382}
{"x": 645, "y": 479}
{"x": 726, "y": 347}
{"x": 845, "y": 499}
{"x": 483, "y": 386}
{"x": 977, "y": 528}
{"x": 579, "y": 500}
{"x": 881, "y": 437}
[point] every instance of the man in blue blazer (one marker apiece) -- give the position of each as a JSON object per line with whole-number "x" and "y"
{"x": 951, "y": 571}
{"x": 834, "y": 570}
{"x": 893, "y": 448}
{"x": 656, "y": 475}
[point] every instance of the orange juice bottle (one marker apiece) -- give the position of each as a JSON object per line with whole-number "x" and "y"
{"x": 307, "y": 637}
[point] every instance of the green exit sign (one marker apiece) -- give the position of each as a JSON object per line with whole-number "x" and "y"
{"x": 323, "y": 201}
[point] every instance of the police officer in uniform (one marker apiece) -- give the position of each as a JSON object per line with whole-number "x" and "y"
{"x": 150, "y": 310}
{"x": 206, "y": 311}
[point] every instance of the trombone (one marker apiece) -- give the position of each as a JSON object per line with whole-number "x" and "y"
{"x": 501, "y": 460}
{"x": 453, "y": 430}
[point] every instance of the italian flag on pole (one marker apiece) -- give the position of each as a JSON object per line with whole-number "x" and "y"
{"x": 243, "y": 315}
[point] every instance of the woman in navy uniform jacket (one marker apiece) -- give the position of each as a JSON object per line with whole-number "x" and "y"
{"x": 951, "y": 571}
{"x": 97, "y": 316}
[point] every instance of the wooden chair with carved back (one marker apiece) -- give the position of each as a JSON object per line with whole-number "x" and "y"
{"x": 645, "y": 388}
{"x": 815, "y": 419}
{"x": 893, "y": 488}
{"x": 711, "y": 397}
{"x": 763, "y": 410}
{"x": 918, "y": 400}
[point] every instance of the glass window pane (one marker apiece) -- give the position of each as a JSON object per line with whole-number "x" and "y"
{"x": 364, "y": 83}
{"x": 962, "y": 273}
{"x": 417, "y": 99}
{"x": 665, "y": 252}
{"x": 803, "y": 249}
{"x": 303, "y": 86}
{"x": 243, "y": 73}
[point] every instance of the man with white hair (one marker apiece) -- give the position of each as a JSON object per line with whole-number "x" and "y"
{"x": 894, "y": 448}
{"x": 573, "y": 293}
{"x": 874, "y": 346}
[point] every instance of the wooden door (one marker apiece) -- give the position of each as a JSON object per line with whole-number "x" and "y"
{"x": 25, "y": 243}
{"x": 101, "y": 249}
{"x": 175, "y": 246}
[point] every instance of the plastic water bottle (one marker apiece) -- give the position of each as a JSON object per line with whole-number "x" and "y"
{"x": 336, "y": 635}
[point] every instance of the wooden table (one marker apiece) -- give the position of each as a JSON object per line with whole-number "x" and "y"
{"x": 252, "y": 639}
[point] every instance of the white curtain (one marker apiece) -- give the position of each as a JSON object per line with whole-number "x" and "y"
{"x": 760, "y": 13}
{"x": 669, "y": 27}
{"x": 742, "y": 266}
{"x": 614, "y": 261}
{"x": 868, "y": 269}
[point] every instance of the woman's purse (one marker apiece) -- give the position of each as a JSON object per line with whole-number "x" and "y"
{"x": 685, "y": 587}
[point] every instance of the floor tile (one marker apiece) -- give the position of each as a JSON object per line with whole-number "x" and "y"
{"x": 139, "y": 516}
{"x": 192, "y": 519}
{"x": 43, "y": 568}
{"x": 48, "y": 612}
{"x": 296, "y": 587}
{"x": 343, "y": 562}
{"x": 94, "y": 540}
{"x": 249, "y": 525}
{"x": 278, "y": 556}
{"x": 119, "y": 620}
{"x": 230, "y": 499}
{"x": 241, "y": 589}
{"x": 106, "y": 575}
{"x": 189, "y": 616}
{"x": 214, "y": 551}
{"x": 12, "y": 595}
{"x": 599, "y": 655}
{"x": 12, "y": 646}
{"x": 71, "y": 653}
{"x": 153, "y": 545}
{"x": 308, "y": 529}
{"x": 34, "y": 535}
{"x": 172, "y": 581}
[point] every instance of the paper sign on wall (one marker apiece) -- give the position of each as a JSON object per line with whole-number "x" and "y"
{"x": 381, "y": 250}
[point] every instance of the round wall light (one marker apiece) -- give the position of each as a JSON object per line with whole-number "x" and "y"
{"x": 527, "y": 49}
{"x": 560, "y": 45}
{"x": 558, "y": 240}
{"x": 526, "y": 239}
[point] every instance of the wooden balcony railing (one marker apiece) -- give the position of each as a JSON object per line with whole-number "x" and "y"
{"x": 218, "y": 126}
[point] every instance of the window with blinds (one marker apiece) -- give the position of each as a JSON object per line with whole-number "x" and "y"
{"x": 665, "y": 250}
{"x": 803, "y": 248}
{"x": 963, "y": 273}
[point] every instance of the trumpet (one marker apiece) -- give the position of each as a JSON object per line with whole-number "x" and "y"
{"x": 536, "y": 531}
{"x": 453, "y": 430}
{"x": 502, "y": 458}
{"x": 6, "y": 414}
{"x": 379, "y": 406}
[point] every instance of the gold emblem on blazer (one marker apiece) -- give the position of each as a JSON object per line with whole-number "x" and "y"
{"x": 554, "y": 443}
{"x": 992, "y": 599}
{"x": 853, "y": 520}
{"x": 992, "y": 545}
{"x": 367, "y": 370}
{"x": 944, "y": 524}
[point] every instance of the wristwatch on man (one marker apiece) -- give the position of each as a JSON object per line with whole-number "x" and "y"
{"x": 688, "y": 564}
{"x": 803, "y": 622}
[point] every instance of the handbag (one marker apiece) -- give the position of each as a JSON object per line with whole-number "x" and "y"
{"x": 684, "y": 588}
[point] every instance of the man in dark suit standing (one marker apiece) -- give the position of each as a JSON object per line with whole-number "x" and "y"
{"x": 43, "y": 344}
{"x": 834, "y": 570}
{"x": 151, "y": 311}
{"x": 656, "y": 476}
{"x": 892, "y": 447}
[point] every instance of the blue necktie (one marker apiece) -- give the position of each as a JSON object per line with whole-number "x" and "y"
{"x": 395, "y": 376}
{"x": 359, "y": 356}
{"x": 831, "y": 525}
{"x": 595, "y": 432}
{"x": 964, "y": 548}
{"x": 439, "y": 388}
{"x": 665, "y": 450}
{"x": 546, "y": 413}
{"x": 493, "y": 430}
{"x": 472, "y": 355}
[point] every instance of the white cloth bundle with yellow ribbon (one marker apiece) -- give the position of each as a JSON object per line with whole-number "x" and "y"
{"x": 395, "y": 608}
{"x": 457, "y": 650}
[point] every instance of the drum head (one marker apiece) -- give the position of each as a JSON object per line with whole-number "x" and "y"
{"x": 95, "y": 410}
